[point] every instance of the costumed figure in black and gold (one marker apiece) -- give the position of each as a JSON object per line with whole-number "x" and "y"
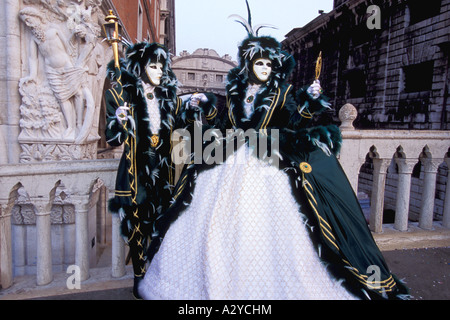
{"x": 144, "y": 124}
{"x": 282, "y": 223}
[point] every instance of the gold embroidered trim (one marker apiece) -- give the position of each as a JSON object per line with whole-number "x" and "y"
{"x": 381, "y": 286}
{"x": 230, "y": 113}
{"x": 270, "y": 112}
{"x": 212, "y": 115}
{"x": 285, "y": 97}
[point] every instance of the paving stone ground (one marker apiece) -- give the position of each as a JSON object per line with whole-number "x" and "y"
{"x": 425, "y": 271}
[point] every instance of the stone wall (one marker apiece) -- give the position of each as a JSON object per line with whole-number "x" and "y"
{"x": 396, "y": 75}
{"x": 337, "y": 3}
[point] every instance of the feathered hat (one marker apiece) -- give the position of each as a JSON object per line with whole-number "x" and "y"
{"x": 256, "y": 47}
{"x": 137, "y": 57}
{"x": 140, "y": 55}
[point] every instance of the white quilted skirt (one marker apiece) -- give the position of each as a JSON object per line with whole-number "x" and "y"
{"x": 242, "y": 238}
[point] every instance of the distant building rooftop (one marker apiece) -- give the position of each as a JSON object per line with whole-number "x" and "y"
{"x": 202, "y": 71}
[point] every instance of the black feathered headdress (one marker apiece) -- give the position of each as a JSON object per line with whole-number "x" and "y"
{"x": 140, "y": 55}
{"x": 137, "y": 57}
{"x": 256, "y": 47}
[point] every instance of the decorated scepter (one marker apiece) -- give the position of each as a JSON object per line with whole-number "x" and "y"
{"x": 112, "y": 29}
{"x": 319, "y": 66}
{"x": 307, "y": 106}
{"x": 318, "y": 72}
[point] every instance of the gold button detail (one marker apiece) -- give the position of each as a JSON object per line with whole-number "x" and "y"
{"x": 154, "y": 140}
{"x": 305, "y": 167}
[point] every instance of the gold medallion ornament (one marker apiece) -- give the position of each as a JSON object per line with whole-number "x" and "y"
{"x": 154, "y": 140}
{"x": 305, "y": 167}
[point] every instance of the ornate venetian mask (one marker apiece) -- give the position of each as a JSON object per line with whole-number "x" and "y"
{"x": 154, "y": 73}
{"x": 262, "y": 69}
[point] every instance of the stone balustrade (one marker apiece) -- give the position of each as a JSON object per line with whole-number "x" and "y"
{"x": 404, "y": 148}
{"x": 40, "y": 182}
{"x": 81, "y": 179}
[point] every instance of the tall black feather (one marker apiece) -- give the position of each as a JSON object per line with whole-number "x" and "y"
{"x": 249, "y": 14}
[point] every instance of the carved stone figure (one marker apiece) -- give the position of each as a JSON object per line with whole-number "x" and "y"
{"x": 65, "y": 61}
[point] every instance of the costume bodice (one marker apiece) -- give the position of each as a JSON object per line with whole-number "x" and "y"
{"x": 152, "y": 108}
{"x": 252, "y": 91}
{"x": 267, "y": 108}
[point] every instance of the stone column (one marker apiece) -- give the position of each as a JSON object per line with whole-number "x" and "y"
{"x": 13, "y": 73}
{"x": 349, "y": 155}
{"x": 81, "y": 204}
{"x": 377, "y": 198}
{"x": 405, "y": 169}
{"x": 44, "y": 273}
{"x": 103, "y": 210}
{"x": 429, "y": 189}
{"x": 6, "y": 270}
{"x": 118, "y": 249}
{"x": 446, "y": 214}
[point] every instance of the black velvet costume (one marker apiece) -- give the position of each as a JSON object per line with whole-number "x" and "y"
{"x": 308, "y": 155}
{"x": 145, "y": 177}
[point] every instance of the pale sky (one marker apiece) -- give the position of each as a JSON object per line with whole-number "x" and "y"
{"x": 205, "y": 23}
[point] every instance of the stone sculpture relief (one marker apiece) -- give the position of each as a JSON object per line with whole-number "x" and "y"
{"x": 63, "y": 79}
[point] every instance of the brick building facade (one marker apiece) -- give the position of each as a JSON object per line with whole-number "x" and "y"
{"x": 391, "y": 63}
{"x": 142, "y": 20}
{"x": 151, "y": 20}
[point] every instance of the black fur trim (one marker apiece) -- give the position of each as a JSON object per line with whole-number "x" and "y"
{"x": 113, "y": 206}
{"x": 313, "y": 106}
{"x": 141, "y": 54}
{"x": 133, "y": 66}
{"x": 303, "y": 140}
{"x": 263, "y": 47}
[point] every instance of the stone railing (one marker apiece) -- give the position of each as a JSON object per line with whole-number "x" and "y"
{"x": 405, "y": 148}
{"x": 81, "y": 180}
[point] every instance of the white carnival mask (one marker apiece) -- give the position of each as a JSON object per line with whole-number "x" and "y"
{"x": 154, "y": 72}
{"x": 262, "y": 69}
